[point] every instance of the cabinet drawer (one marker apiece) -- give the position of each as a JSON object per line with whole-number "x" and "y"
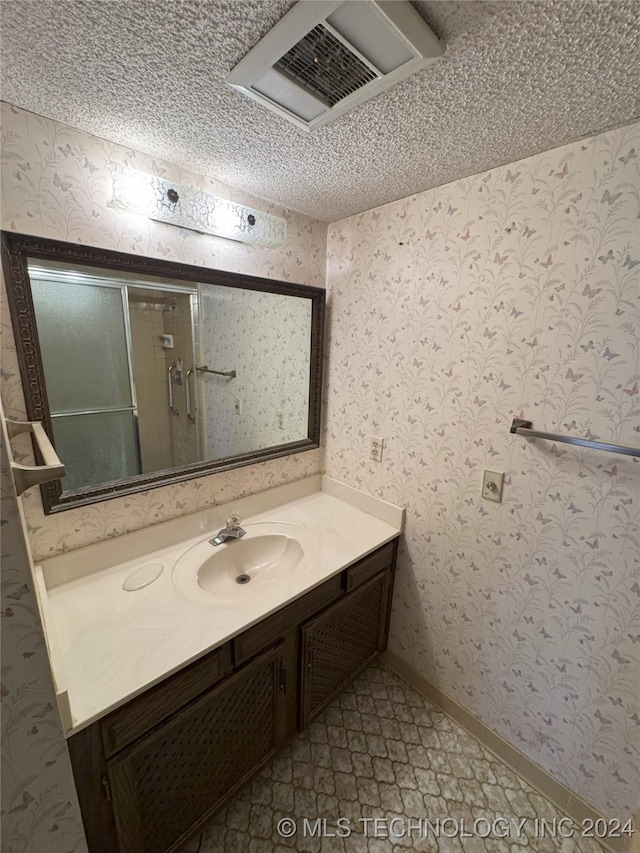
{"x": 261, "y": 635}
{"x": 140, "y": 715}
{"x": 371, "y": 565}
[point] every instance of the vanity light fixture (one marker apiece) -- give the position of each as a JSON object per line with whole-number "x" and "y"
{"x": 187, "y": 207}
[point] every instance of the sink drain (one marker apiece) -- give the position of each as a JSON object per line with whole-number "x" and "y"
{"x": 244, "y": 578}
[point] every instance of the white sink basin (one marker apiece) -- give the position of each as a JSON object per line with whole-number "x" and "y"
{"x": 266, "y": 557}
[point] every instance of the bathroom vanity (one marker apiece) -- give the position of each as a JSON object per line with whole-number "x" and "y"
{"x": 155, "y": 755}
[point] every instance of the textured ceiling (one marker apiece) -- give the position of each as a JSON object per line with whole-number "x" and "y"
{"x": 517, "y": 78}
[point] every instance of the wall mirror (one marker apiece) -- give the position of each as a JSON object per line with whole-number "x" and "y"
{"x": 147, "y": 372}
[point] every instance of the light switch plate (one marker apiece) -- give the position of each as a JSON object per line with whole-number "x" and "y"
{"x": 492, "y": 486}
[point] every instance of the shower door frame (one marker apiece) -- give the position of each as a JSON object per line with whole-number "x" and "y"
{"x": 94, "y": 280}
{"x": 89, "y": 280}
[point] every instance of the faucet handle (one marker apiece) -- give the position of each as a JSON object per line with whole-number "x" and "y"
{"x": 234, "y": 521}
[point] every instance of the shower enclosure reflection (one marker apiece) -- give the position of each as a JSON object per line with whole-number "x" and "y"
{"x": 114, "y": 351}
{"x": 145, "y": 376}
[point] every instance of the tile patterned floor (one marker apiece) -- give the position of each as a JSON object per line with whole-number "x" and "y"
{"x": 381, "y": 751}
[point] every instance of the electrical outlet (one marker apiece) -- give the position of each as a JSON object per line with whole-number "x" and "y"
{"x": 237, "y": 406}
{"x": 375, "y": 448}
{"x": 492, "y": 486}
{"x": 280, "y": 419}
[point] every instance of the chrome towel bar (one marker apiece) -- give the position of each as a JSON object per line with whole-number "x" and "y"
{"x": 230, "y": 373}
{"x": 26, "y": 476}
{"x": 522, "y": 427}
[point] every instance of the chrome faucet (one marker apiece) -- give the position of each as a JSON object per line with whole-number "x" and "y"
{"x": 230, "y": 532}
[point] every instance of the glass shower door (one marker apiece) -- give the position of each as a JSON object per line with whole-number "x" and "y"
{"x": 83, "y": 332}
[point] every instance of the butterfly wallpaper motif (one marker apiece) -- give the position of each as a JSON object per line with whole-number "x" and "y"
{"x": 56, "y": 183}
{"x": 509, "y": 293}
{"x": 514, "y": 292}
{"x": 263, "y": 338}
{"x": 40, "y": 810}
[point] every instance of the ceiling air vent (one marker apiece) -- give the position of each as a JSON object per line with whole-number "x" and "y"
{"x": 325, "y": 57}
{"x": 322, "y": 64}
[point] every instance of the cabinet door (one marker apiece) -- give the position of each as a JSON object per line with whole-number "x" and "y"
{"x": 171, "y": 781}
{"x": 340, "y": 642}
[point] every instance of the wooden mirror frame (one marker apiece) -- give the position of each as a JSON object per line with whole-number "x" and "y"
{"x": 17, "y": 248}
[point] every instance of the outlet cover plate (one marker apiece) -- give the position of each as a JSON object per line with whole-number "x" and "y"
{"x": 492, "y": 486}
{"x": 375, "y": 448}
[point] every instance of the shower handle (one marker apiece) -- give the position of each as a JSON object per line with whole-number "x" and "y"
{"x": 188, "y": 394}
{"x": 170, "y": 381}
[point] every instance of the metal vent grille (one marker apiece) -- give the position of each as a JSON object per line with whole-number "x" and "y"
{"x": 321, "y": 63}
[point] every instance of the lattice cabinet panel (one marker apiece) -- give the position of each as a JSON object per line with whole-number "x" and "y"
{"x": 175, "y": 778}
{"x": 340, "y": 642}
{"x": 151, "y": 773}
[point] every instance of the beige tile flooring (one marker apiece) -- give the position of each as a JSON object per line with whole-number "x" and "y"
{"x": 368, "y": 775}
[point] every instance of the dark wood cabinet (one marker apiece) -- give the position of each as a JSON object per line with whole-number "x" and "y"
{"x": 171, "y": 781}
{"x": 340, "y": 642}
{"x": 151, "y": 773}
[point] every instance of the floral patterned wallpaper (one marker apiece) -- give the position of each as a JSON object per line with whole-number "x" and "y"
{"x": 40, "y": 810}
{"x": 262, "y": 337}
{"x": 511, "y": 293}
{"x": 55, "y": 183}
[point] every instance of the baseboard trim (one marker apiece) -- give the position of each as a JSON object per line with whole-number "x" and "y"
{"x": 562, "y": 797}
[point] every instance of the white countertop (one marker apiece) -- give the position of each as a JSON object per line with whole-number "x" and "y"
{"x": 107, "y": 645}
